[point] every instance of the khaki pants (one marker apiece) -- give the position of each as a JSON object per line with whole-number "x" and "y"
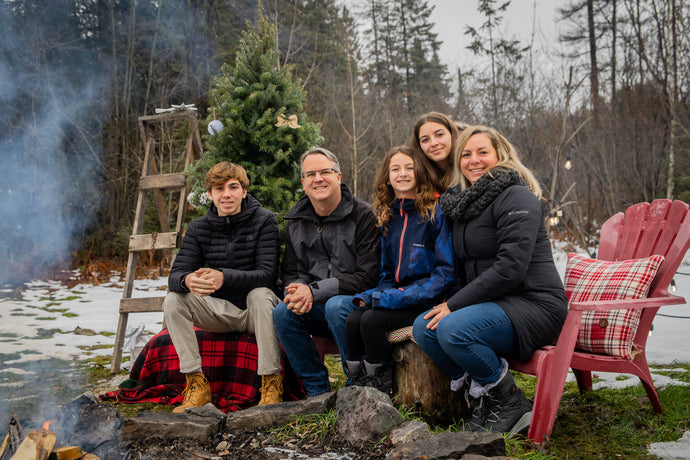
{"x": 184, "y": 311}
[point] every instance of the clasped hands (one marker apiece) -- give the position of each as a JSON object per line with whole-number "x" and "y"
{"x": 299, "y": 298}
{"x": 204, "y": 281}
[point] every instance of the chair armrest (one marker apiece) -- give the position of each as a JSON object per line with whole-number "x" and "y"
{"x": 625, "y": 304}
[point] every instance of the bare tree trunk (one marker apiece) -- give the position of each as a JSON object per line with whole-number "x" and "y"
{"x": 614, "y": 26}
{"x": 594, "y": 68}
{"x": 673, "y": 102}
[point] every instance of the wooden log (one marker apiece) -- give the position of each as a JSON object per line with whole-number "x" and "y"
{"x": 420, "y": 383}
{"x": 37, "y": 445}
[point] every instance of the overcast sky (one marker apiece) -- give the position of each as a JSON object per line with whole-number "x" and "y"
{"x": 521, "y": 18}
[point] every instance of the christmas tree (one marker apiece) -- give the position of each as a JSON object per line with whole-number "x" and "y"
{"x": 257, "y": 120}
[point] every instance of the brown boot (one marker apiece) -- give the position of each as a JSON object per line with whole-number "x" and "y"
{"x": 197, "y": 393}
{"x": 271, "y": 389}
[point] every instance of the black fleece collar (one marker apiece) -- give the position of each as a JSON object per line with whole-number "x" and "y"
{"x": 465, "y": 205}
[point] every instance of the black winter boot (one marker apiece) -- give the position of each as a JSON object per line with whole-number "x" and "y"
{"x": 356, "y": 373}
{"x": 505, "y": 408}
{"x": 380, "y": 376}
{"x": 477, "y": 421}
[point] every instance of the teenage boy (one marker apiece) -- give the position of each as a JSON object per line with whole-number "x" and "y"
{"x": 223, "y": 280}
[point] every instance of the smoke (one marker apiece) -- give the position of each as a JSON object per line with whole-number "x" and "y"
{"x": 51, "y": 118}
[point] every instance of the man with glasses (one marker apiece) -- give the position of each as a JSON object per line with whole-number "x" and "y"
{"x": 332, "y": 252}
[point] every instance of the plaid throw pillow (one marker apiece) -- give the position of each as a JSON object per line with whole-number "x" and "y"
{"x": 609, "y": 332}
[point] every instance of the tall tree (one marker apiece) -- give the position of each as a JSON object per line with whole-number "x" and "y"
{"x": 264, "y": 128}
{"x": 505, "y": 56}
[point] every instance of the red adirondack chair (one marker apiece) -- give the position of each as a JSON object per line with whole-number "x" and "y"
{"x": 663, "y": 228}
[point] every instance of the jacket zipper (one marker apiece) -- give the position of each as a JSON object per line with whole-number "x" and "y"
{"x": 403, "y": 214}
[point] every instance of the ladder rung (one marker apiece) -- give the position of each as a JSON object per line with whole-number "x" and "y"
{"x": 162, "y": 181}
{"x": 153, "y": 241}
{"x": 141, "y": 304}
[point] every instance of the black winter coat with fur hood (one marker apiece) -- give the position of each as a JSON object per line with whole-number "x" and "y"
{"x": 503, "y": 255}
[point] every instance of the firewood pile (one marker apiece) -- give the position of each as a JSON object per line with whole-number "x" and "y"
{"x": 38, "y": 445}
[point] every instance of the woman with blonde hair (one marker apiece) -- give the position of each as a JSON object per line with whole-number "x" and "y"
{"x": 512, "y": 300}
{"x": 416, "y": 267}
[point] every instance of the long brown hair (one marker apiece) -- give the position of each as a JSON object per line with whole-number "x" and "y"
{"x": 425, "y": 193}
{"x": 439, "y": 177}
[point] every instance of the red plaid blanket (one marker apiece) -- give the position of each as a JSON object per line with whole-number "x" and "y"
{"x": 229, "y": 362}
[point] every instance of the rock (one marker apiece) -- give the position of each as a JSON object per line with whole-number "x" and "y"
{"x": 167, "y": 426}
{"x": 452, "y": 445}
{"x": 412, "y": 431}
{"x": 365, "y": 414}
{"x": 87, "y": 422}
{"x": 207, "y": 410}
{"x": 275, "y": 415}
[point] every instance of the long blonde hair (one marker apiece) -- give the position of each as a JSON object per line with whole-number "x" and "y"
{"x": 425, "y": 193}
{"x": 507, "y": 158}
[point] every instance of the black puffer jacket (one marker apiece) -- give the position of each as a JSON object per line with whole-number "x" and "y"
{"x": 504, "y": 256}
{"x": 339, "y": 254}
{"x": 244, "y": 246}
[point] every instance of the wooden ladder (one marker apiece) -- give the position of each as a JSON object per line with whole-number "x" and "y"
{"x": 150, "y": 126}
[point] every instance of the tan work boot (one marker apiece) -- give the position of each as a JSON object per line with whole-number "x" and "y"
{"x": 271, "y": 389}
{"x": 197, "y": 393}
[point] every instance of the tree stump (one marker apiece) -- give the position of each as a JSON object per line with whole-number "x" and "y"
{"x": 420, "y": 383}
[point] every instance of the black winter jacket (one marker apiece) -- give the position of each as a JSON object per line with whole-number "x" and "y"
{"x": 339, "y": 254}
{"x": 244, "y": 246}
{"x": 504, "y": 256}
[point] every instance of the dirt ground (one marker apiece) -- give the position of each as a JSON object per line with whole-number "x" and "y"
{"x": 252, "y": 445}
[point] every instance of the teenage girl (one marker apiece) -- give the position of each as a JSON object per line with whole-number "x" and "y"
{"x": 436, "y": 136}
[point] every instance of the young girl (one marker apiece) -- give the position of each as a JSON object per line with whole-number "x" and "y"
{"x": 416, "y": 267}
{"x": 436, "y": 136}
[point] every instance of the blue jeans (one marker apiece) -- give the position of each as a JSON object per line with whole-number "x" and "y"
{"x": 295, "y": 331}
{"x": 470, "y": 339}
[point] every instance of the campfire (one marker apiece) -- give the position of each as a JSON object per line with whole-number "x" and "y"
{"x": 38, "y": 445}
{"x": 82, "y": 429}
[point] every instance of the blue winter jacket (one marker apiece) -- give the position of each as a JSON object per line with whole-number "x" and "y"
{"x": 416, "y": 260}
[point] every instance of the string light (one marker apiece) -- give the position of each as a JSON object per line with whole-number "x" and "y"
{"x": 568, "y": 162}
{"x": 555, "y": 218}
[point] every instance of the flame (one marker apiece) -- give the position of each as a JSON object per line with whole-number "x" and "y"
{"x": 46, "y": 425}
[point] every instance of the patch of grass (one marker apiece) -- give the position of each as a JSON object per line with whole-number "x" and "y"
{"x": 107, "y": 334}
{"x": 314, "y": 428}
{"x": 46, "y": 318}
{"x": 95, "y": 347}
{"x": 70, "y": 315}
{"x": 69, "y": 298}
{"x": 23, "y": 314}
{"x": 610, "y": 423}
{"x": 131, "y": 410}
{"x": 336, "y": 375}
{"x": 679, "y": 372}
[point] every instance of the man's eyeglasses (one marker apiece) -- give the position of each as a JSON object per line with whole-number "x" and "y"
{"x": 324, "y": 173}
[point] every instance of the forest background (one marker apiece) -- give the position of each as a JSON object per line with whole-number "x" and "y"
{"x": 609, "y": 100}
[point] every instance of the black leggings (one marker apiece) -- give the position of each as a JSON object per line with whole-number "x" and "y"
{"x": 365, "y": 331}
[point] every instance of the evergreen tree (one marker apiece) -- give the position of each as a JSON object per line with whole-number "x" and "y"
{"x": 264, "y": 128}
